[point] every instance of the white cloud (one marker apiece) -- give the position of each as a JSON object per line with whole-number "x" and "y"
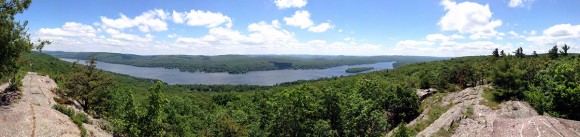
{"x": 561, "y": 33}
{"x": 437, "y": 37}
{"x": 448, "y": 48}
{"x": 283, "y": 4}
{"x": 321, "y": 27}
{"x": 413, "y": 43}
{"x": 152, "y": 19}
{"x": 515, "y": 35}
{"x": 69, "y": 29}
{"x": 202, "y": 18}
{"x": 299, "y": 19}
{"x": 116, "y": 34}
{"x": 441, "y": 37}
{"x": 519, "y": 3}
{"x": 302, "y": 20}
{"x": 471, "y": 18}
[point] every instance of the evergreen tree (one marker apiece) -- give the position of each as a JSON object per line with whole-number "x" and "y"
{"x": 519, "y": 52}
{"x": 14, "y": 38}
{"x": 565, "y": 49}
{"x": 154, "y": 120}
{"x": 502, "y": 53}
{"x": 553, "y": 53}
{"x": 401, "y": 131}
{"x": 495, "y": 53}
{"x": 535, "y": 54}
{"x": 87, "y": 85}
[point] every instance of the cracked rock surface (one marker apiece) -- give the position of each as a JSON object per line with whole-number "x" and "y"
{"x": 514, "y": 118}
{"x": 33, "y": 115}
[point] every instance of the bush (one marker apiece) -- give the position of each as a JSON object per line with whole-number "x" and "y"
{"x": 78, "y": 118}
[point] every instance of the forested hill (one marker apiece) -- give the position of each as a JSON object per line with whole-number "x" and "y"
{"x": 370, "y": 104}
{"x": 240, "y": 63}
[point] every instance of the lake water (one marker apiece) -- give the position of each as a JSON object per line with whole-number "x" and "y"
{"x": 271, "y": 77}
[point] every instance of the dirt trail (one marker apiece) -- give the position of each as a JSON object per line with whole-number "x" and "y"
{"x": 33, "y": 115}
{"x": 512, "y": 118}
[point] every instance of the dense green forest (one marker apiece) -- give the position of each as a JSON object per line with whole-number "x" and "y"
{"x": 357, "y": 70}
{"x": 239, "y": 63}
{"x": 361, "y": 105}
{"x": 370, "y": 104}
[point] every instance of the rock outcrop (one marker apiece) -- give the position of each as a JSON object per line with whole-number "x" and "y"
{"x": 469, "y": 117}
{"x": 424, "y": 93}
{"x": 33, "y": 115}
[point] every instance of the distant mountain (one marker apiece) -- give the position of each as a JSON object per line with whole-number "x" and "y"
{"x": 239, "y": 63}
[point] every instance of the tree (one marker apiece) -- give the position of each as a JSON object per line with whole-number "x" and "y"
{"x": 87, "y": 85}
{"x": 519, "y": 52}
{"x": 14, "y": 38}
{"x": 502, "y": 53}
{"x": 535, "y": 54}
{"x": 154, "y": 120}
{"x": 495, "y": 53}
{"x": 553, "y": 53}
{"x": 565, "y": 49}
{"x": 401, "y": 131}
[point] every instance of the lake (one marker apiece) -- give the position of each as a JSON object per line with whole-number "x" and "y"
{"x": 271, "y": 77}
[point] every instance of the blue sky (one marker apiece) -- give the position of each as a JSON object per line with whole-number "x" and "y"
{"x": 362, "y": 27}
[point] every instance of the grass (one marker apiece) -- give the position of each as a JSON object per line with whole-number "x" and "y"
{"x": 435, "y": 110}
{"x": 469, "y": 112}
{"x": 489, "y": 99}
{"x": 78, "y": 118}
{"x": 446, "y": 132}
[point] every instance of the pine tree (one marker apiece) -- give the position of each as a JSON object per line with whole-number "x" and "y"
{"x": 495, "y": 53}
{"x": 502, "y": 53}
{"x": 553, "y": 53}
{"x": 519, "y": 52}
{"x": 565, "y": 49}
{"x": 14, "y": 38}
{"x": 154, "y": 121}
{"x": 535, "y": 54}
{"x": 87, "y": 85}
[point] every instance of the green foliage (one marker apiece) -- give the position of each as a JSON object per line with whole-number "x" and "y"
{"x": 495, "y": 53}
{"x": 361, "y": 105}
{"x": 519, "y": 53}
{"x": 87, "y": 85}
{"x": 564, "y": 51}
{"x": 401, "y": 131}
{"x": 154, "y": 120}
{"x": 553, "y": 53}
{"x": 14, "y": 38}
{"x": 77, "y": 118}
{"x": 469, "y": 112}
{"x": 558, "y": 89}
{"x": 357, "y": 70}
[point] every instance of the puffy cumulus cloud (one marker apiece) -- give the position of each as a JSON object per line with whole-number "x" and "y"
{"x": 260, "y": 33}
{"x": 260, "y": 38}
{"x": 302, "y": 20}
{"x": 149, "y": 20}
{"x": 283, "y": 4}
{"x": 69, "y": 29}
{"x": 471, "y": 18}
{"x": 201, "y": 18}
{"x": 519, "y": 3}
{"x": 561, "y": 33}
{"x": 299, "y": 19}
